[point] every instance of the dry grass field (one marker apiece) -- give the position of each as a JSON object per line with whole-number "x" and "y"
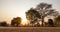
{"x": 29, "y": 29}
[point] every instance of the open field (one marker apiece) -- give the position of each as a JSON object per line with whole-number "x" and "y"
{"x": 29, "y": 29}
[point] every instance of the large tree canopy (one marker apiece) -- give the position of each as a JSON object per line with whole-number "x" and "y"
{"x": 46, "y": 9}
{"x": 32, "y": 15}
{"x": 40, "y": 12}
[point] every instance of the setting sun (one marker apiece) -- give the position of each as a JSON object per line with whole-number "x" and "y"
{"x": 24, "y": 20}
{"x": 28, "y": 12}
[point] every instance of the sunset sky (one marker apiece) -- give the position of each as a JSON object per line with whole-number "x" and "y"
{"x": 17, "y": 8}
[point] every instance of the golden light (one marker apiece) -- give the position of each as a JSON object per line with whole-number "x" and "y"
{"x": 48, "y": 17}
{"x": 23, "y": 16}
{"x": 24, "y": 20}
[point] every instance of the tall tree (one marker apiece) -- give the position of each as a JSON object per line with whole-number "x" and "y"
{"x": 45, "y": 9}
{"x": 40, "y": 12}
{"x": 32, "y": 15}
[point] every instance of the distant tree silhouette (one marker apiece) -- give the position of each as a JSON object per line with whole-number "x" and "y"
{"x": 16, "y": 21}
{"x": 32, "y": 15}
{"x": 50, "y": 22}
{"x": 4, "y": 24}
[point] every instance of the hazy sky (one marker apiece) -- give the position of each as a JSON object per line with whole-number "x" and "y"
{"x": 14, "y": 8}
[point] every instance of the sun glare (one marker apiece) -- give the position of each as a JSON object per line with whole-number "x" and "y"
{"x": 22, "y": 14}
{"x": 24, "y": 20}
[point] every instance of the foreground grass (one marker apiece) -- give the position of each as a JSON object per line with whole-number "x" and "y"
{"x": 29, "y": 29}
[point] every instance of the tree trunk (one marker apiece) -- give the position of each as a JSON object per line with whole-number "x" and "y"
{"x": 42, "y": 21}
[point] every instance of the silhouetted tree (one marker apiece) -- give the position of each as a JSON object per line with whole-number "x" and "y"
{"x": 50, "y": 22}
{"x": 32, "y": 15}
{"x": 4, "y": 24}
{"x": 40, "y": 12}
{"x": 57, "y": 21}
{"x": 16, "y": 21}
{"x": 46, "y": 9}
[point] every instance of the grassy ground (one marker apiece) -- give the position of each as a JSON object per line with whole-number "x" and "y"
{"x": 29, "y": 29}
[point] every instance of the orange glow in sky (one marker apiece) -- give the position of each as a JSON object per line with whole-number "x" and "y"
{"x": 17, "y": 8}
